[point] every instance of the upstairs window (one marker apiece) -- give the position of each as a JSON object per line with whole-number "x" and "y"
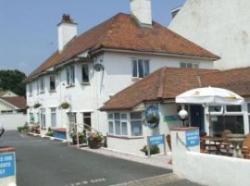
{"x": 52, "y": 83}
{"x": 140, "y": 68}
{"x": 70, "y": 73}
{"x": 37, "y": 87}
{"x": 30, "y": 87}
{"x": 189, "y": 65}
{"x": 85, "y": 73}
{"x": 41, "y": 85}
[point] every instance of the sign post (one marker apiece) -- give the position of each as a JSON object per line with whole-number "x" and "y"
{"x": 7, "y": 166}
{"x": 156, "y": 140}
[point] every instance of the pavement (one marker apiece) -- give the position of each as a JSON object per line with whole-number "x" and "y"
{"x": 42, "y": 162}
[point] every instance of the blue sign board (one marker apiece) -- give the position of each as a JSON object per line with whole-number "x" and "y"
{"x": 192, "y": 138}
{"x": 156, "y": 140}
{"x": 7, "y": 164}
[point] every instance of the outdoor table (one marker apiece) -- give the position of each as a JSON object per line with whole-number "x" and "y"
{"x": 236, "y": 140}
{"x": 213, "y": 142}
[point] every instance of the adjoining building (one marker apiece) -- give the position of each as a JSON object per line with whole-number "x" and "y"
{"x": 89, "y": 68}
{"x": 12, "y": 111}
{"x": 158, "y": 90}
{"x": 220, "y": 26}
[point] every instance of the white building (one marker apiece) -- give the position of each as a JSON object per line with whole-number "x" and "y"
{"x": 90, "y": 68}
{"x": 221, "y": 26}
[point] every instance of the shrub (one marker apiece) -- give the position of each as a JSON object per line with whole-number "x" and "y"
{"x": 35, "y": 129}
{"x": 50, "y": 132}
{"x": 95, "y": 140}
{"x": 81, "y": 136}
{"x": 37, "y": 105}
{"x": 154, "y": 149}
{"x": 65, "y": 105}
{"x": 23, "y": 129}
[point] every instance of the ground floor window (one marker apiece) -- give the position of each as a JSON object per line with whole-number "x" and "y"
{"x": 228, "y": 122}
{"x": 118, "y": 124}
{"x": 53, "y": 117}
{"x": 125, "y": 124}
{"x": 43, "y": 118}
{"x": 136, "y": 123}
{"x": 87, "y": 119}
{"x": 32, "y": 118}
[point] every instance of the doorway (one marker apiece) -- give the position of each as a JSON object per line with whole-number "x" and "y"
{"x": 197, "y": 117}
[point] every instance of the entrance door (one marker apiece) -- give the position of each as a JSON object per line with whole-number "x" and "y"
{"x": 197, "y": 117}
{"x": 87, "y": 120}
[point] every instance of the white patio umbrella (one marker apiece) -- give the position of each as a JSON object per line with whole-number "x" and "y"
{"x": 209, "y": 96}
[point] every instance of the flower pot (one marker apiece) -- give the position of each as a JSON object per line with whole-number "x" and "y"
{"x": 93, "y": 144}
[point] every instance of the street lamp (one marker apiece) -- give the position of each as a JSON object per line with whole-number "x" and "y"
{"x": 183, "y": 114}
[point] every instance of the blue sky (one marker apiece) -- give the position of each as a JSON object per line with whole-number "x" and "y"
{"x": 28, "y": 32}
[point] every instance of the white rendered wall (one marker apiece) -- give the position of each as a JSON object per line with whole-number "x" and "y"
{"x": 221, "y": 26}
{"x": 13, "y": 120}
{"x": 116, "y": 76}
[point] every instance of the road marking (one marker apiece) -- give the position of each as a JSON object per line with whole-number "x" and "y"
{"x": 85, "y": 182}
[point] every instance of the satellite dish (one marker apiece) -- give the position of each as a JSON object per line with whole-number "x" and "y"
{"x": 98, "y": 67}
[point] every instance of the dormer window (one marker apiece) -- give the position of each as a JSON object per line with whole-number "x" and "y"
{"x": 70, "y": 73}
{"x": 140, "y": 68}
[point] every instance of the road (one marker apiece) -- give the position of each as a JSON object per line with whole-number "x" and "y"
{"x": 42, "y": 162}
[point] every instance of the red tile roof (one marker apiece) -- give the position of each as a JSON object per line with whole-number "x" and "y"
{"x": 123, "y": 32}
{"x": 17, "y": 101}
{"x": 167, "y": 83}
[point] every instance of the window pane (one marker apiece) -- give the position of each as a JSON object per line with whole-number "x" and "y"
{"x": 248, "y": 107}
{"x": 111, "y": 128}
{"x": 124, "y": 129}
{"x": 117, "y": 128}
{"x": 85, "y": 73}
{"x": 110, "y": 116}
{"x": 233, "y": 123}
{"x": 215, "y": 108}
{"x": 117, "y": 116}
{"x": 124, "y": 116}
{"x": 141, "y": 70}
{"x": 52, "y": 83}
{"x": 183, "y": 65}
{"x": 136, "y": 115}
{"x": 146, "y": 67}
{"x": 136, "y": 128}
{"x": 72, "y": 75}
{"x": 233, "y": 108}
{"x": 189, "y": 65}
{"x": 134, "y": 68}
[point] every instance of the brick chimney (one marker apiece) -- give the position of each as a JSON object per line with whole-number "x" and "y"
{"x": 67, "y": 30}
{"x": 141, "y": 10}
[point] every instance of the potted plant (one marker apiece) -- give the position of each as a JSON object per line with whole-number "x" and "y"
{"x": 95, "y": 140}
{"x": 154, "y": 149}
{"x": 35, "y": 129}
{"x": 81, "y": 136}
{"x": 37, "y": 105}
{"x": 65, "y": 105}
{"x": 50, "y": 132}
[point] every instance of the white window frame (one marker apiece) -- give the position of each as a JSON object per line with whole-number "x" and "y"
{"x": 141, "y": 120}
{"x": 53, "y": 114}
{"x": 43, "y": 118}
{"x": 51, "y": 77}
{"x": 85, "y": 65}
{"x": 137, "y": 61}
{"x": 121, "y": 120}
{"x": 30, "y": 87}
{"x": 70, "y": 75}
{"x": 41, "y": 85}
{"x": 189, "y": 65}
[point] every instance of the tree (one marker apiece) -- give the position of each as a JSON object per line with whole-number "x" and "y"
{"x": 13, "y": 80}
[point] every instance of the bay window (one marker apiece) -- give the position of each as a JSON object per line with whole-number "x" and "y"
{"x": 136, "y": 123}
{"x": 124, "y": 124}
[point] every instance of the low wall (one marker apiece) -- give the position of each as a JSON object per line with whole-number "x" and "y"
{"x": 130, "y": 146}
{"x": 12, "y": 121}
{"x": 213, "y": 170}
